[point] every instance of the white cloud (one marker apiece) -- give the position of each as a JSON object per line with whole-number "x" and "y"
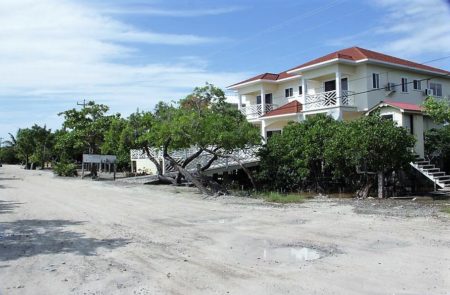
{"x": 54, "y": 52}
{"x": 172, "y": 12}
{"x": 415, "y": 27}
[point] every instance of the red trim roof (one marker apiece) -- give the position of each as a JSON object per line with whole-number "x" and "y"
{"x": 290, "y": 108}
{"x": 404, "y": 105}
{"x": 267, "y": 77}
{"x": 358, "y": 53}
{"x": 351, "y": 54}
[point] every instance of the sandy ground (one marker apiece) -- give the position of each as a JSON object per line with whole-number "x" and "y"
{"x": 67, "y": 236}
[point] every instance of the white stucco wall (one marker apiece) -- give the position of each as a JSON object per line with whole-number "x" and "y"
{"x": 391, "y": 75}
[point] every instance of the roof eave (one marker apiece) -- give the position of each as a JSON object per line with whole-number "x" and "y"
{"x": 320, "y": 64}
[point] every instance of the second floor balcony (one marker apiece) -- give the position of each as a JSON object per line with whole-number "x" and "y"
{"x": 328, "y": 99}
{"x": 254, "y": 111}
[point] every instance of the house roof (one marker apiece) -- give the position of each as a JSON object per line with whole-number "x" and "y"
{"x": 359, "y": 54}
{"x": 293, "y": 107}
{"x": 266, "y": 77}
{"x": 403, "y": 106}
{"x": 354, "y": 54}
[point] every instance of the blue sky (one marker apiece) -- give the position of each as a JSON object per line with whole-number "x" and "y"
{"x": 130, "y": 54}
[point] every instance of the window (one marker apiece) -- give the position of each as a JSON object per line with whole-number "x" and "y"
{"x": 300, "y": 90}
{"x": 437, "y": 89}
{"x": 404, "y": 85}
{"x": 388, "y": 117}
{"x": 288, "y": 92}
{"x": 271, "y": 133}
{"x": 375, "y": 81}
{"x": 417, "y": 85}
{"x": 268, "y": 98}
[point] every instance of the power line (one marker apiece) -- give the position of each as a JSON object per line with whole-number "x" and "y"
{"x": 280, "y": 25}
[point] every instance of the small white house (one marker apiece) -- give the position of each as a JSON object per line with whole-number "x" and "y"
{"x": 409, "y": 116}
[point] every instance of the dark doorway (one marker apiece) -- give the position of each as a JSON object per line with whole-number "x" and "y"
{"x": 330, "y": 85}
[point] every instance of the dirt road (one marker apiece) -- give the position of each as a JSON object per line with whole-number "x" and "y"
{"x": 67, "y": 236}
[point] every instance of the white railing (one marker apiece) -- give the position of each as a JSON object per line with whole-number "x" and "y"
{"x": 328, "y": 99}
{"x": 254, "y": 111}
{"x": 245, "y": 156}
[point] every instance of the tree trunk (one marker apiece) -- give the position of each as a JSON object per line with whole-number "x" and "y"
{"x": 214, "y": 158}
{"x": 363, "y": 193}
{"x": 245, "y": 169}
{"x": 184, "y": 172}
{"x": 381, "y": 194}
{"x": 154, "y": 161}
{"x": 187, "y": 161}
{"x": 188, "y": 175}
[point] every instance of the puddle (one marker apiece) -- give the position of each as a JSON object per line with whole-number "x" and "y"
{"x": 291, "y": 254}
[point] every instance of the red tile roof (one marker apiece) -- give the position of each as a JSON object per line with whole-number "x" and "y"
{"x": 358, "y": 53}
{"x": 404, "y": 105}
{"x": 290, "y": 108}
{"x": 351, "y": 54}
{"x": 267, "y": 77}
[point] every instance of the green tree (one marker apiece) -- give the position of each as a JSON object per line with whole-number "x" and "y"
{"x": 23, "y": 144}
{"x": 113, "y": 143}
{"x": 86, "y": 128}
{"x": 202, "y": 121}
{"x": 321, "y": 149}
{"x": 298, "y": 154}
{"x": 438, "y": 110}
{"x": 380, "y": 146}
{"x": 43, "y": 142}
{"x": 437, "y": 146}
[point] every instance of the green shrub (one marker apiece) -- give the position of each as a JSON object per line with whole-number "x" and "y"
{"x": 65, "y": 169}
{"x": 284, "y": 198}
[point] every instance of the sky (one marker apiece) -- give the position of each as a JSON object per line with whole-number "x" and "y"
{"x": 130, "y": 54}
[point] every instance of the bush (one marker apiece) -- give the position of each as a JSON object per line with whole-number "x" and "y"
{"x": 65, "y": 169}
{"x": 284, "y": 198}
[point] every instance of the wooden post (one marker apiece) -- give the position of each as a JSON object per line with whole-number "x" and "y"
{"x": 82, "y": 169}
{"x": 114, "y": 171}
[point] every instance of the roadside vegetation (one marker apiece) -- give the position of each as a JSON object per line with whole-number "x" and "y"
{"x": 318, "y": 155}
{"x": 322, "y": 154}
{"x": 284, "y": 198}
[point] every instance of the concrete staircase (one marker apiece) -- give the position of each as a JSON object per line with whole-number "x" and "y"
{"x": 430, "y": 171}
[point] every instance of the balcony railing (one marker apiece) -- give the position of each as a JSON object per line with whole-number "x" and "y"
{"x": 327, "y": 99}
{"x": 254, "y": 111}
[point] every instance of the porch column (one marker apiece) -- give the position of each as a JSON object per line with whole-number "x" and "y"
{"x": 303, "y": 96}
{"x": 263, "y": 131}
{"x": 338, "y": 88}
{"x": 239, "y": 101}
{"x": 263, "y": 101}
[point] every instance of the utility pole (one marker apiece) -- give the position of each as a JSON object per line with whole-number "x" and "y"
{"x": 82, "y": 104}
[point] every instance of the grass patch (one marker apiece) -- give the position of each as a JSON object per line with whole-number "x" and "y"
{"x": 446, "y": 209}
{"x": 284, "y": 198}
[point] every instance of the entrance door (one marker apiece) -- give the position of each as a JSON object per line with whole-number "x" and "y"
{"x": 329, "y": 85}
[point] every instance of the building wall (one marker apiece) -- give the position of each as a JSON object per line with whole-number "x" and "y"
{"x": 145, "y": 166}
{"x": 391, "y": 75}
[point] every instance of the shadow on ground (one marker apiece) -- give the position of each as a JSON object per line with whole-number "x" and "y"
{"x": 7, "y": 206}
{"x": 26, "y": 238}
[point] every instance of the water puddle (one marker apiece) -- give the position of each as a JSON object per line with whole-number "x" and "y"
{"x": 291, "y": 254}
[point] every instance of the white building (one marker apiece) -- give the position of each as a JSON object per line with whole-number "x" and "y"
{"x": 345, "y": 84}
